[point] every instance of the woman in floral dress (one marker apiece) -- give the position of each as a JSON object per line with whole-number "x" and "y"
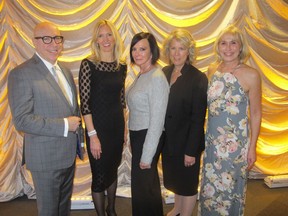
{"x": 234, "y": 118}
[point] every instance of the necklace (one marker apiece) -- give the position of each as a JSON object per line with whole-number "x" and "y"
{"x": 174, "y": 76}
{"x": 232, "y": 70}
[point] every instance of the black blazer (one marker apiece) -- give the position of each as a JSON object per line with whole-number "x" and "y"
{"x": 186, "y": 110}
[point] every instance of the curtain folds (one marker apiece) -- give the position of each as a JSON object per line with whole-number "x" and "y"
{"x": 264, "y": 24}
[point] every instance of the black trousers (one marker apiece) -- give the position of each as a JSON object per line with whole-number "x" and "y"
{"x": 145, "y": 184}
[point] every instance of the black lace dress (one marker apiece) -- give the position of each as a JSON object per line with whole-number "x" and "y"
{"x": 101, "y": 88}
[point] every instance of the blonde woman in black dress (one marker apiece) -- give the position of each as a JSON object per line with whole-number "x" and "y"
{"x": 101, "y": 86}
{"x": 184, "y": 122}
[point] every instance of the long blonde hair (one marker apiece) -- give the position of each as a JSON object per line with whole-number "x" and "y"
{"x": 118, "y": 48}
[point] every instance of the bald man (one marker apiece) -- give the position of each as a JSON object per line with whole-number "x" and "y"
{"x": 43, "y": 100}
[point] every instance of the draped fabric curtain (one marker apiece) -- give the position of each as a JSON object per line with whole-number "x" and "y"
{"x": 263, "y": 22}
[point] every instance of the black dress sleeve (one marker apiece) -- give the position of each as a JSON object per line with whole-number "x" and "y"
{"x": 85, "y": 86}
{"x": 124, "y": 74}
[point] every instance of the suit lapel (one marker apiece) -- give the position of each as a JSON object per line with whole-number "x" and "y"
{"x": 41, "y": 67}
{"x": 168, "y": 72}
{"x": 71, "y": 83}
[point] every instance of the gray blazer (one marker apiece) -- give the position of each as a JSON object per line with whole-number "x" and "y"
{"x": 38, "y": 107}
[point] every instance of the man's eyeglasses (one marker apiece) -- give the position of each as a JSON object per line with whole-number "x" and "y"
{"x": 48, "y": 39}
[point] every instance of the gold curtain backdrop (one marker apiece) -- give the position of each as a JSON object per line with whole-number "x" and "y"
{"x": 263, "y": 22}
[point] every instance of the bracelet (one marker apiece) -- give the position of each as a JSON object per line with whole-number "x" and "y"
{"x": 91, "y": 133}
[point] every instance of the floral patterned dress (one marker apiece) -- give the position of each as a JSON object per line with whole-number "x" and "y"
{"x": 224, "y": 173}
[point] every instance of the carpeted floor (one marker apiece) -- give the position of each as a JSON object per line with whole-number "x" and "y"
{"x": 261, "y": 201}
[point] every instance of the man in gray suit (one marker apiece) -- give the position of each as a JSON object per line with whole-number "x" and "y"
{"x": 45, "y": 108}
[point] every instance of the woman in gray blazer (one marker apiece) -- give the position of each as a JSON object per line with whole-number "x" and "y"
{"x": 147, "y": 100}
{"x": 184, "y": 122}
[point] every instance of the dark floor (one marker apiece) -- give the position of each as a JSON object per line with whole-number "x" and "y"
{"x": 260, "y": 201}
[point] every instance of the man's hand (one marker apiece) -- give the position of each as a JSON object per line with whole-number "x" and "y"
{"x": 73, "y": 123}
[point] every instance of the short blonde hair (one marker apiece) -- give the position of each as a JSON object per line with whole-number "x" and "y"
{"x": 237, "y": 34}
{"x": 186, "y": 39}
{"x": 118, "y": 48}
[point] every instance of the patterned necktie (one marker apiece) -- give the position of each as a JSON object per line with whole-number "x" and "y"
{"x": 60, "y": 81}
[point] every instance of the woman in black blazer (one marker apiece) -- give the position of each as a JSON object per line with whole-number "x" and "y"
{"x": 184, "y": 122}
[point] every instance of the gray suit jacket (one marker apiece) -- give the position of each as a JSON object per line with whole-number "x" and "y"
{"x": 38, "y": 107}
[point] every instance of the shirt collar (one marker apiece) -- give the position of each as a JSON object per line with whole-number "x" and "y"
{"x": 47, "y": 64}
